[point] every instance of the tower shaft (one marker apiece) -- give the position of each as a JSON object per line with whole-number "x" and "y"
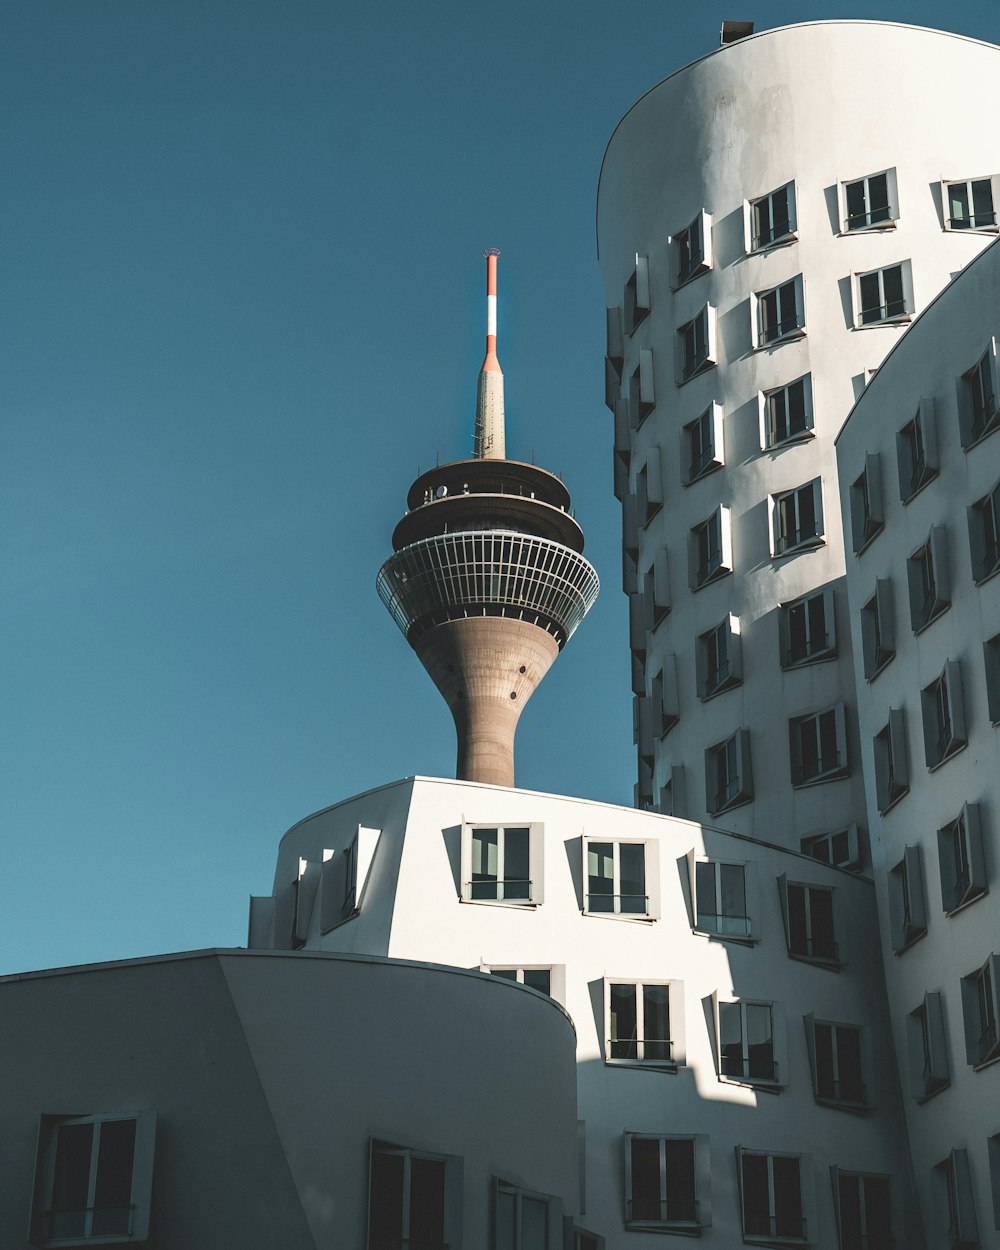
{"x": 489, "y": 428}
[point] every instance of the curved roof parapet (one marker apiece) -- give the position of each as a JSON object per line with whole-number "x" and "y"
{"x": 518, "y": 513}
{"x": 488, "y": 572}
{"x": 503, "y": 477}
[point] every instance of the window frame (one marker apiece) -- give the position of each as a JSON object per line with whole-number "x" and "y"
{"x": 886, "y": 315}
{"x": 806, "y": 1197}
{"x": 835, "y": 959}
{"x": 700, "y": 455}
{"x": 716, "y": 675}
{"x": 759, "y": 239}
{"x": 140, "y": 1189}
{"x": 656, "y": 589}
{"x": 991, "y": 672}
{"x": 769, "y": 440}
{"x": 962, "y": 860}
{"x": 702, "y": 341}
{"x": 696, "y": 265}
{"x": 907, "y": 900}
{"x": 536, "y": 864}
{"x": 557, "y": 976}
{"x": 779, "y": 1047}
{"x": 928, "y": 580}
{"x": 717, "y": 545}
{"x": 553, "y": 1211}
{"x": 870, "y": 1237}
{"x": 636, "y": 302}
{"x": 878, "y": 630}
{"x": 771, "y": 326}
{"x": 942, "y": 708}
{"x": 453, "y": 1175}
{"x": 956, "y": 1200}
{"x": 649, "y": 487}
{"x": 784, "y": 543}
{"x": 892, "y": 768}
{"x": 917, "y": 451}
{"x": 817, "y": 656}
{"x": 675, "y": 1021}
{"x": 651, "y": 864}
{"x": 984, "y": 535}
{"x": 641, "y": 388}
{"x": 891, "y": 207}
{"x": 950, "y": 222}
{"x": 867, "y": 511}
{"x": 738, "y": 788}
{"x": 927, "y": 1048}
{"x": 865, "y": 1064}
{"x": 979, "y": 408}
{"x": 344, "y": 879}
{"x": 834, "y": 770}
{"x": 853, "y": 860}
{"x": 702, "y": 1197}
{"x": 729, "y": 926}
{"x": 980, "y": 1003}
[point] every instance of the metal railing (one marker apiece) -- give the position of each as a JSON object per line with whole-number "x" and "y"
{"x": 661, "y": 1211}
{"x": 792, "y": 1227}
{"x": 768, "y": 334}
{"x": 643, "y": 1049}
{"x": 727, "y": 925}
{"x": 617, "y": 904}
{"x": 499, "y": 890}
{"x": 749, "y": 1068}
{"x": 882, "y": 312}
{"x": 795, "y": 538}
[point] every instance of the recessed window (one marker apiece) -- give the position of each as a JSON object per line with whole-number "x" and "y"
{"x": 971, "y": 205}
{"x": 962, "y": 860}
{"x": 864, "y": 1211}
{"x": 502, "y": 864}
{"x": 667, "y": 1183}
{"x": 344, "y": 875}
{"x": 870, "y": 203}
{"x": 639, "y": 1022}
{"x": 991, "y": 664}
{"x": 534, "y": 978}
{"x": 979, "y": 1005}
{"x": 797, "y": 519}
{"x": 807, "y": 629}
{"x": 916, "y": 451}
{"x": 582, "y": 1240}
{"x": 907, "y": 908}
{"x": 664, "y": 710}
{"x": 710, "y": 549}
{"x": 955, "y": 1201}
{"x": 649, "y": 487}
{"x": 748, "y": 1045}
{"x": 641, "y": 395}
{"x": 867, "y": 516}
{"x": 943, "y": 710}
{"x": 637, "y": 294}
{"x": 978, "y": 412}
{"x": 525, "y": 1220}
{"x": 693, "y": 249}
{"x": 840, "y": 1056}
{"x": 772, "y": 218}
{"x": 810, "y": 928}
{"x": 927, "y": 579}
{"x": 728, "y": 777}
{"x": 787, "y": 413}
{"x": 703, "y": 439}
{"x": 928, "y": 1048}
{"x": 984, "y": 535}
{"x": 818, "y": 746}
{"x": 94, "y": 1179}
{"x": 719, "y": 658}
{"x": 616, "y": 878}
{"x": 892, "y": 773}
{"x": 883, "y": 295}
{"x": 878, "y": 635}
{"x": 771, "y": 1197}
{"x": 724, "y": 894}
{"x": 411, "y": 1201}
{"x": 993, "y": 1154}
{"x": 656, "y": 590}
{"x": 779, "y": 313}
{"x": 842, "y": 848}
{"x": 696, "y": 344}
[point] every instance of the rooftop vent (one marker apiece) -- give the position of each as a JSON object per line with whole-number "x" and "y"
{"x": 732, "y": 31}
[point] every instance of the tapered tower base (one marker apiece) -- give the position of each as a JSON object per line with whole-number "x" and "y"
{"x": 487, "y": 668}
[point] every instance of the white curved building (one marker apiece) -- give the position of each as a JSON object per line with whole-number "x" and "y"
{"x": 769, "y": 220}
{"x": 919, "y": 462}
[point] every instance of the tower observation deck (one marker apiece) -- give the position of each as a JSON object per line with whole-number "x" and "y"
{"x": 487, "y": 581}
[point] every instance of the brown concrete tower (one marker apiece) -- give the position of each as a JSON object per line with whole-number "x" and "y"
{"x": 487, "y": 581}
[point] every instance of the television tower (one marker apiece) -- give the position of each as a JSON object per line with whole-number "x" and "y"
{"x": 487, "y": 581}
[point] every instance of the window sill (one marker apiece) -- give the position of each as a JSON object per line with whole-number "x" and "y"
{"x": 712, "y": 577}
{"x": 986, "y": 1063}
{"x": 658, "y": 1226}
{"x": 706, "y": 472}
{"x": 966, "y": 902}
{"x": 832, "y": 965}
{"x": 882, "y": 811}
{"x": 784, "y": 240}
{"x": 837, "y": 1104}
{"x": 928, "y": 1094}
{"x": 926, "y": 482}
{"x": 741, "y": 801}
{"x": 688, "y": 278}
{"x": 787, "y": 337}
{"x": 517, "y": 904}
{"x": 900, "y": 319}
{"x": 992, "y": 428}
{"x": 869, "y": 539}
{"x": 835, "y": 774}
{"x": 876, "y": 227}
{"x": 988, "y": 576}
{"x": 909, "y": 943}
{"x": 804, "y": 437}
{"x": 808, "y": 544}
{"x": 819, "y": 658}
{"x": 658, "y": 1065}
{"x": 342, "y": 921}
{"x": 731, "y": 684}
{"x": 640, "y": 316}
{"x": 651, "y": 515}
{"x": 919, "y": 629}
{"x": 971, "y": 229}
{"x": 696, "y": 373}
{"x": 957, "y": 750}
{"x": 628, "y": 917}
{"x": 741, "y": 939}
{"x": 870, "y": 677}
{"x": 751, "y": 1082}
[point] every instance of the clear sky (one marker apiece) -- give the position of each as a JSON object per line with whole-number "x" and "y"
{"x": 241, "y": 303}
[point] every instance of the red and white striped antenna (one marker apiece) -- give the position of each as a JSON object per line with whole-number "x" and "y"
{"x": 489, "y": 428}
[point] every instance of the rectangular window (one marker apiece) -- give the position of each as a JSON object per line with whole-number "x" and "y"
{"x": 502, "y": 864}
{"x": 641, "y": 395}
{"x": 656, "y": 590}
{"x": 818, "y": 746}
{"x": 94, "y": 1179}
{"x": 984, "y": 535}
{"x": 771, "y": 1197}
{"x": 780, "y": 313}
{"x": 772, "y": 218}
{"x": 582, "y": 1240}
{"x": 693, "y": 249}
{"x": 807, "y": 629}
{"x": 524, "y": 1220}
{"x": 878, "y": 641}
{"x": 664, "y": 709}
{"x": 892, "y": 773}
{"x": 637, "y": 294}
{"x": 991, "y": 665}
{"x": 787, "y": 413}
{"x": 534, "y": 978}
{"x": 979, "y": 1004}
{"x": 970, "y": 205}
{"x": 883, "y": 295}
{"x": 719, "y": 658}
{"x": 840, "y": 1059}
{"x": 638, "y": 1019}
{"x": 703, "y": 440}
{"x": 928, "y": 1048}
{"x": 907, "y": 909}
{"x": 943, "y": 711}
{"x": 961, "y": 859}
{"x": 649, "y": 487}
{"x": 410, "y": 1207}
{"x": 870, "y": 203}
{"x": 916, "y": 451}
{"x": 867, "y": 517}
{"x": 956, "y": 1201}
{"x": 616, "y": 878}
{"x": 723, "y": 898}
{"x": 342, "y": 880}
{"x": 810, "y": 928}
{"x": 728, "y": 777}
{"x": 927, "y": 580}
{"x": 746, "y": 1039}
{"x": 797, "y": 518}
{"x": 978, "y": 411}
{"x": 864, "y": 1211}
{"x": 710, "y": 549}
{"x": 696, "y": 344}
{"x": 667, "y": 1183}
{"x": 842, "y": 848}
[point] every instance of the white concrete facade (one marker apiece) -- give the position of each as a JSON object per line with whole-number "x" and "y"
{"x": 934, "y": 827}
{"x": 389, "y": 871}
{"x": 775, "y": 211}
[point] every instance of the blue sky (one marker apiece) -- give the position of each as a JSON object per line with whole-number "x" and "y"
{"x": 241, "y": 303}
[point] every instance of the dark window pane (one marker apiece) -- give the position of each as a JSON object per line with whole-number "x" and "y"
{"x": 506, "y": 974}
{"x": 797, "y": 940}
{"x": 656, "y": 1022}
{"x": 825, "y": 1084}
{"x": 71, "y": 1182}
{"x": 704, "y": 877}
{"x": 849, "y": 1065}
{"x": 851, "y": 1227}
{"x": 426, "y": 1202}
{"x": 623, "y": 1022}
{"x": 824, "y": 945}
{"x": 600, "y": 876}
{"x": 731, "y": 1039}
{"x": 680, "y": 1181}
{"x": 516, "y": 871}
{"x": 645, "y": 1179}
{"x": 760, "y": 1042}
{"x": 756, "y": 1211}
{"x": 113, "y": 1190}
{"x": 485, "y": 858}
{"x": 878, "y": 1212}
{"x": 632, "y": 858}
{"x": 385, "y": 1216}
{"x": 538, "y": 979}
{"x": 787, "y": 1198}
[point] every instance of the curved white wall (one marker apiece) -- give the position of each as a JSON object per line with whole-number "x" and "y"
{"x": 817, "y": 105}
